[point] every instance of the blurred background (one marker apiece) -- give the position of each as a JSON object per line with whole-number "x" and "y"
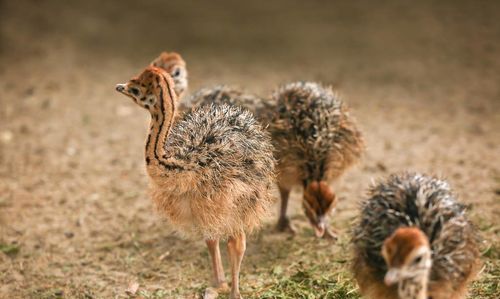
{"x": 422, "y": 79}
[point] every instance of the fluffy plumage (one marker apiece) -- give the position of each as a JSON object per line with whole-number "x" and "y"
{"x": 223, "y": 94}
{"x": 314, "y": 135}
{"x": 427, "y": 203}
{"x": 225, "y": 172}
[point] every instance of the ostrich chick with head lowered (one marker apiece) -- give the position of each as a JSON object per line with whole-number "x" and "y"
{"x": 316, "y": 140}
{"x": 413, "y": 241}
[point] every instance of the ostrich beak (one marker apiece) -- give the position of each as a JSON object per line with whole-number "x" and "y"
{"x": 391, "y": 277}
{"x": 319, "y": 229}
{"x": 121, "y": 87}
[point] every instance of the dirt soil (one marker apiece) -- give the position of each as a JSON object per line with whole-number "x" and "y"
{"x": 422, "y": 79}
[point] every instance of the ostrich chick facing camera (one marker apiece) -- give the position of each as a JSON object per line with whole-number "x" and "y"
{"x": 175, "y": 66}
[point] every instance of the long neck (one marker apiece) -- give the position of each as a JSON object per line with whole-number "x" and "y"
{"x": 414, "y": 287}
{"x": 161, "y": 123}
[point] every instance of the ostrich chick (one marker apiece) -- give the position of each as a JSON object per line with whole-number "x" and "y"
{"x": 413, "y": 241}
{"x": 175, "y": 66}
{"x": 211, "y": 170}
{"x": 316, "y": 140}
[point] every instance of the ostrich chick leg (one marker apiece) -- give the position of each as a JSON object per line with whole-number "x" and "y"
{"x": 284, "y": 222}
{"x": 236, "y": 247}
{"x": 219, "y": 279}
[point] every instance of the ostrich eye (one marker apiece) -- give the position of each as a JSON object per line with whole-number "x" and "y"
{"x": 177, "y": 72}
{"x": 134, "y": 91}
{"x": 417, "y": 260}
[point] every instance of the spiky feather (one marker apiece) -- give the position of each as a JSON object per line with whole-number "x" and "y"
{"x": 223, "y": 94}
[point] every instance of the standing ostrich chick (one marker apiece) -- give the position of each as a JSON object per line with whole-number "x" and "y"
{"x": 316, "y": 140}
{"x": 211, "y": 170}
{"x": 413, "y": 241}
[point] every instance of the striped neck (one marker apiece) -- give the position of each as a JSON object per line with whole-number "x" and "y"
{"x": 161, "y": 123}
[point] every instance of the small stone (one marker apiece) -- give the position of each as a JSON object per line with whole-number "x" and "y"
{"x": 381, "y": 166}
{"x": 71, "y": 151}
{"x": 210, "y": 293}
{"x": 6, "y": 136}
{"x": 45, "y": 104}
{"x": 132, "y": 288}
{"x": 24, "y": 129}
{"x": 29, "y": 91}
{"x": 59, "y": 293}
{"x": 163, "y": 256}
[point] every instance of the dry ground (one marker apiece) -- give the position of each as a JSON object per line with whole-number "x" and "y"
{"x": 75, "y": 221}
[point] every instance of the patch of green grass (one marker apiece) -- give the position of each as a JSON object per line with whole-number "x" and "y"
{"x": 9, "y": 249}
{"x": 156, "y": 294}
{"x": 73, "y": 292}
{"x": 4, "y": 202}
{"x": 48, "y": 294}
{"x": 492, "y": 252}
{"x": 488, "y": 284}
{"x": 488, "y": 287}
{"x": 310, "y": 283}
